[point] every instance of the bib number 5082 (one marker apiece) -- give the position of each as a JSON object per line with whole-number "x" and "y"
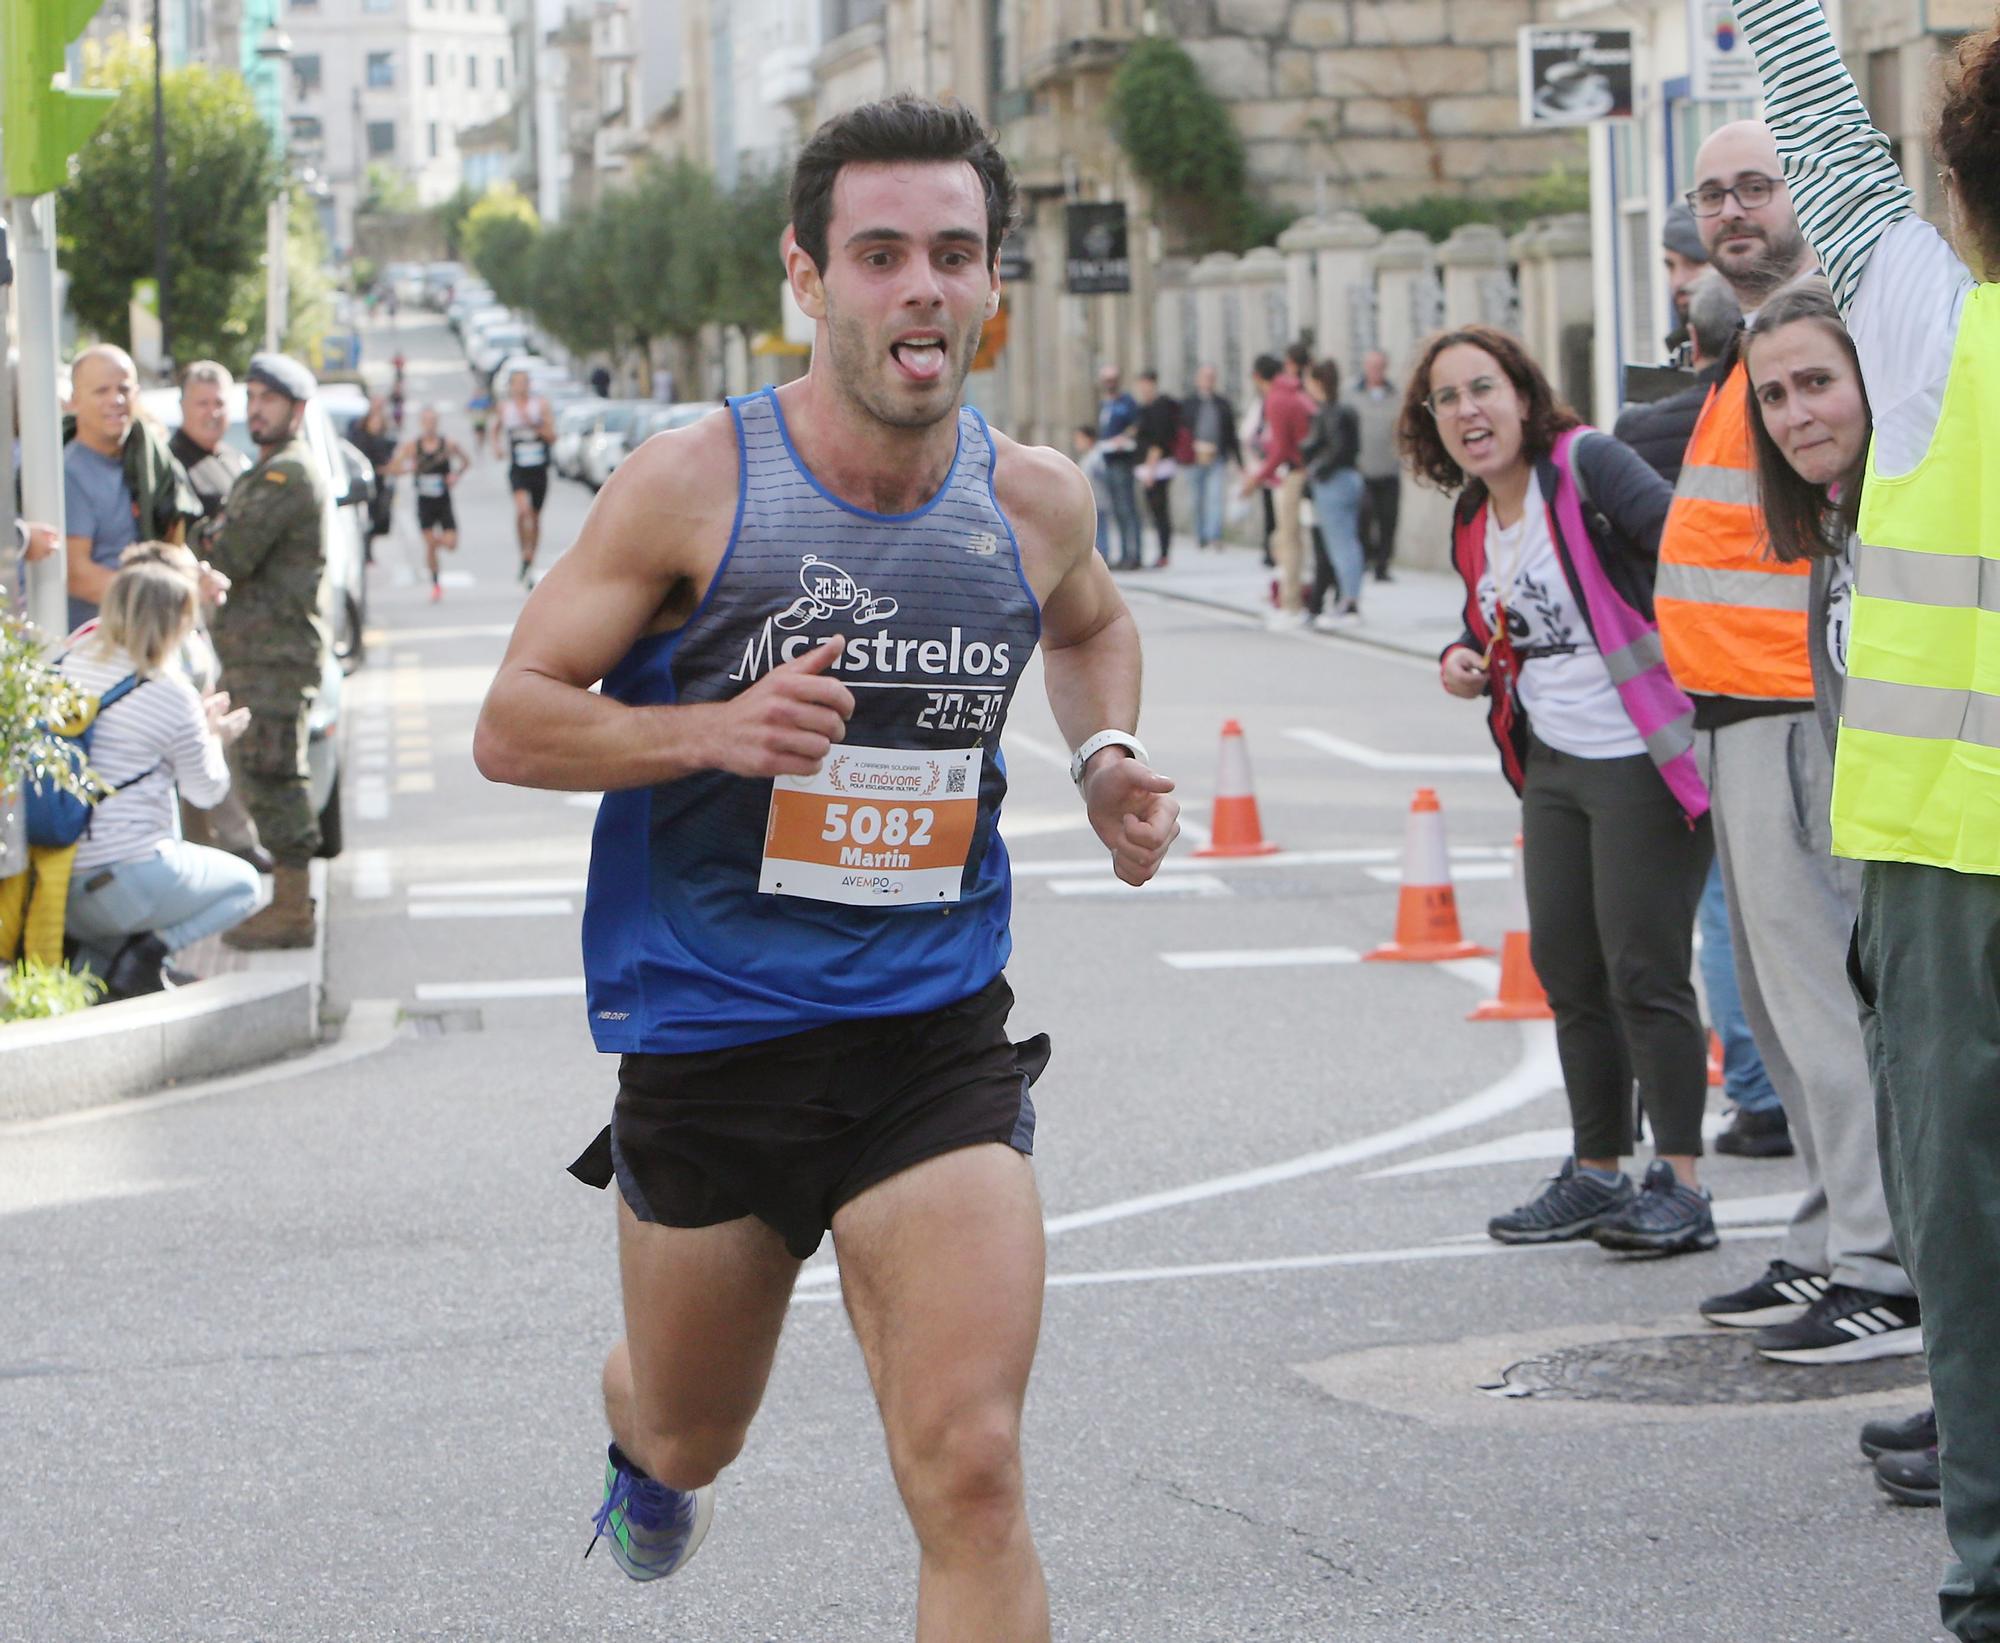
{"x": 870, "y": 824}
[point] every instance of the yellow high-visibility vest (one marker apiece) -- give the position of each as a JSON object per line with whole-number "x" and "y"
{"x": 1917, "y": 775}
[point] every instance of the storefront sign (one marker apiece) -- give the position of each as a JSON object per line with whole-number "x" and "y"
{"x": 1015, "y": 263}
{"x": 1097, "y": 262}
{"x": 1572, "y": 77}
{"x": 1721, "y": 68}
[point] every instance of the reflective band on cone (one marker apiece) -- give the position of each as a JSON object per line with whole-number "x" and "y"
{"x": 1427, "y": 909}
{"x": 1237, "y": 831}
{"x": 1521, "y": 997}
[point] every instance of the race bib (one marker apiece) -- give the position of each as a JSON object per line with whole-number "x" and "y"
{"x": 430, "y": 484}
{"x": 530, "y": 453}
{"x": 874, "y": 827}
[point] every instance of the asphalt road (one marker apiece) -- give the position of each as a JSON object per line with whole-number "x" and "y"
{"x": 315, "y": 1357}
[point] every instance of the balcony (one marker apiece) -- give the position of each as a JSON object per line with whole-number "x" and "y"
{"x": 1060, "y": 38}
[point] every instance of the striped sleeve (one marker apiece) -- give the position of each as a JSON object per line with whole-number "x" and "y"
{"x": 1845, "y": 183}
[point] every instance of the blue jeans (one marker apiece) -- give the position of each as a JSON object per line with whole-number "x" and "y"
{"x": 1205, "y": 480}
{"x": 181, "y": 893}
{"x": 1122, "y": 481}
{"x": 1744, "y": 1080}
{"x": 1337, "y": 508}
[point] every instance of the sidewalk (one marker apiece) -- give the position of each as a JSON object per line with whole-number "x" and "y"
{"x": 1419, "y": 612}
{"x": 249, "y": 1008}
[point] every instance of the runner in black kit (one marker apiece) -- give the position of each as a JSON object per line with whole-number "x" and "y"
{"x": 437, "y": 462}
{"x": 525, "y": 430}
{"x": 808, "y": 615}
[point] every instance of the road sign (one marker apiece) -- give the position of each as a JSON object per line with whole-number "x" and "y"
{"x": 1573, "y": 77}
{"x": 1721, "y": 68}
{"x": 1097, "y": 262}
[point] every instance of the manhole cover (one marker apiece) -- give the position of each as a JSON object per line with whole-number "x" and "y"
{"x": 1693, "y": 1369}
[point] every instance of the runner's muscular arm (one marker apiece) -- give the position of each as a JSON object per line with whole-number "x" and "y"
{"x": 543, "y": 726}
{"x": 1090, "y": 655}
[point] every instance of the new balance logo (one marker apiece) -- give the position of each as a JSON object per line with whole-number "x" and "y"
{"x": 983, "y": 543}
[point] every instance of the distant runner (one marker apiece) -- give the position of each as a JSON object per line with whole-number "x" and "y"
{"x": 525, "y": 431}
{"x": 437, "y": 461}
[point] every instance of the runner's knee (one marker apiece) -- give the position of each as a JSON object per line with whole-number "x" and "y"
{"x": 961, "y": 1478}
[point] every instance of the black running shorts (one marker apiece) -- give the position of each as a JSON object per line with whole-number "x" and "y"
{"x": 791, "y": 1128}
{"x": 535, "y": 481}
{"x": 434, "y": 514}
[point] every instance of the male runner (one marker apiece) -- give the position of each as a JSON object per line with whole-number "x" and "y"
{"x": 809, "y": 616}
{"x": 437, "y": 461}
{"x": 524, "y": 431}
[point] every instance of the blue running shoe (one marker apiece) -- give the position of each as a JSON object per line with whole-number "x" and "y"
{"x": 653, "y": 1530}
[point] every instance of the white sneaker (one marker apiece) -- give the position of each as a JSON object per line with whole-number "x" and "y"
{"x": 1328, "y": 622}
{"x": 1282, "y": 621}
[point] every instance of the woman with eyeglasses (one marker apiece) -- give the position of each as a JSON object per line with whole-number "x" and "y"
{"x": 1916, "y": 792}
{"x": 1554, "y": 536}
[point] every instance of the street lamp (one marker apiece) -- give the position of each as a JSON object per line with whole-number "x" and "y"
{"x": 275, "y": 48}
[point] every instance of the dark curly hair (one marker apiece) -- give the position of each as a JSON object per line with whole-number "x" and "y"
{"x": 1966, "y": 136}
{"x": 1417, "y": 436}
{"x": 903, "y": 127}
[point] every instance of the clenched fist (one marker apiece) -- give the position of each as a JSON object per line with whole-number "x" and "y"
{"x": 1130, "y": 809}
{"x": 784, "y": 723}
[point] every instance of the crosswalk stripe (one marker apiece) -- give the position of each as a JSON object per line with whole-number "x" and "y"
{"x": 1261, "y": 958}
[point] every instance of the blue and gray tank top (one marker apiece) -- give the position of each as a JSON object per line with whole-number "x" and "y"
{"x": 681, "y": 951}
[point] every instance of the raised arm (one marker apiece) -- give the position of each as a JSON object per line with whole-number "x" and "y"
{"x": 655, "y": 533}
{"x": 1845, "y": 184}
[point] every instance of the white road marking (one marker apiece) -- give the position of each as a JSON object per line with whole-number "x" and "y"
{"x": 1536, "y": 1073}
{"x": 1013, "y": 740}
{"x": 469, "y": 992}
{"x": 1189, "y": 863}
{"x": 369, "y": 877}
{"x": 416, "y": 781}
{"x": 1187, "y": 884}
{"x": 481, "y": 888}
{"x": 1374, "y": 759}
{"x": 1262, "y": 958}
{"x": 1524, "y": 1147}
{"x": 1032, "y": 824}
{"x": 584, "y": 801}
{"x": 828, "y": 1277}
{"x": 1464, "y": 872}
{"x": 371, "y": 799}
{"x": 548, "y": 907}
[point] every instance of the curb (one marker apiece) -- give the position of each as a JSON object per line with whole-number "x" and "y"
{"x": 1374, "y": 641}
{"x": 265, "y": 1007}
{"x": 114, "y": 1051}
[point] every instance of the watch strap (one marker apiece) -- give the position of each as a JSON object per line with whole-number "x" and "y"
{"x": 1096, "y": 744}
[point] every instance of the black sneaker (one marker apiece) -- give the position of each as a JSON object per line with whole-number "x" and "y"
{"x": 1900, "y": 1437}
{"x": 1782, "y": 1296}
{"x": 1665, "y": 1219}
{"x": 1763, "y": 1134}
{"x": 1847, "y": 1326}
{"x": 1910, "y": 1478}
{"x": 1570, "y": 1206}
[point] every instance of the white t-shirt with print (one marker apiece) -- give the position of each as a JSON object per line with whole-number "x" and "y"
{"x": 1572, "y": 704}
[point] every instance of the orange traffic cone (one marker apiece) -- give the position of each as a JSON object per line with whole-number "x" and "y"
{"x": 1714, "y": 1060}
{"x": 1238, "y": 831}
{"x": 1521, "y": 997}
{"x": 1427, "y": 911}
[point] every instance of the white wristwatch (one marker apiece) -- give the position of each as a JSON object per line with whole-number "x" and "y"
{"x": 1097, "y": 744}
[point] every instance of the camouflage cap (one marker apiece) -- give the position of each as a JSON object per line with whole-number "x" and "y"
{"x": 282, "y": 374}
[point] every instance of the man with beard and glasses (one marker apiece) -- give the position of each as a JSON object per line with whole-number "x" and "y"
{"x": 272, "y": 639}
{"x": 809, "y": 614}
{"x": 1733, "y": 622}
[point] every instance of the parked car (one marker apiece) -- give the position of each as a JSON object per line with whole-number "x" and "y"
{"x": 350, "y": 490}
{"x": 604, "y": 444}
{"x": 495, "y": 344}
{"x": 573, "y": 425}
{"x": 440, "y": 278}
{"x": 466, "y": 301}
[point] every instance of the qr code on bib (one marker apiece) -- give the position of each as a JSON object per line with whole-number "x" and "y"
{"x": 954, "y": 780}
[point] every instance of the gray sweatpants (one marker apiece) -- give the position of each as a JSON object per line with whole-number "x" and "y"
{"x": 1791, "y": 911}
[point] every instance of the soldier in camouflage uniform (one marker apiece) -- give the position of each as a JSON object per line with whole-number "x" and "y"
{"x": 272, "y": 638}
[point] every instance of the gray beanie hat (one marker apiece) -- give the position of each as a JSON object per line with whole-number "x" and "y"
{"x": 1679, "y": 233}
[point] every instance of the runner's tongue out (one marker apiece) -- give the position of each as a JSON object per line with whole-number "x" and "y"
{"x": 923, "y": 362}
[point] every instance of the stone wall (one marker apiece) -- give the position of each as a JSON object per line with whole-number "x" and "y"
{"x": 1374, "y": 101}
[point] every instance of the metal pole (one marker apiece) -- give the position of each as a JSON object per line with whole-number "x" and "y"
{"x": 10, "y": 588}
{"x": 160, "y": 274}
{"x": 34, "y": 222}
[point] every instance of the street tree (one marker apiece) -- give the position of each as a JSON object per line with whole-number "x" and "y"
{"x": 499, "y": 235}
{"x": 222, "y": 174}
{"x": 575, "y": 300}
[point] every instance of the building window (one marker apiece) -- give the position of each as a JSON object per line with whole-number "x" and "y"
{"x": 472, "y": 72}
{"x": 305, "y": 72}
{"x": 307, "y": 132}
{"x": 430, "y": 68}
{"x": 500, "y": 72}
{"x": 381, "y": 139}
{"x": 433, "y": 138}
{"x": 381, "y": 70}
